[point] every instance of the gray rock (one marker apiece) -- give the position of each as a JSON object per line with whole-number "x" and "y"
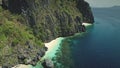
{"x": 48, "y": 63}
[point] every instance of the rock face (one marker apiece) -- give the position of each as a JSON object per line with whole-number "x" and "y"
{"x": 52, "y": 18}
{"x": 85, "y": 10}
{"x": 28, "y": 54}
{"x": 48, "y": 20}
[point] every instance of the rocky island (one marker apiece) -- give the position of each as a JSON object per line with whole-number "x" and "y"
{"x": 25, "y": 25}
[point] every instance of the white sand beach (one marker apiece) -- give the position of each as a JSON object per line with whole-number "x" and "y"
{"x": 52, "y": 46}
{"x": 86, "y": 24}
{"x": 22, "y": 66}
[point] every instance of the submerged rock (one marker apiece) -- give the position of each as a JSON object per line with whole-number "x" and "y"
{"x": 48, "y": 63}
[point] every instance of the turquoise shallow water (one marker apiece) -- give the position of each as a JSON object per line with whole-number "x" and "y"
{"x": 100, "y": 46}
{"x": 54, "y": 45}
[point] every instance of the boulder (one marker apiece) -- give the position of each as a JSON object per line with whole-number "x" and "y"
{"x": 48, "y": 63}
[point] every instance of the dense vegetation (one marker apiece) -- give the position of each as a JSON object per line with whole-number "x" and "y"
{"x": 26, "y": 24}
{"x": 13, "y": 34}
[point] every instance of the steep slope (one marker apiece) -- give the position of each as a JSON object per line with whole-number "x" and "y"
{"x": 44, "y": 20}
{"x": 67, "y": 14}
{"x": 17, "y": 42}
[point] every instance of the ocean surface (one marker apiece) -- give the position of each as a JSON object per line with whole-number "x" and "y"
{"x": 99, "y": 47}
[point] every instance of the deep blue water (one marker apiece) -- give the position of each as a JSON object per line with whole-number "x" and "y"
{"x": 100, "y": 46}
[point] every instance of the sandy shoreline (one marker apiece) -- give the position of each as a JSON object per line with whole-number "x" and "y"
{"x": 86, "y": 24}
{"x": 52, "y": 46}
{"x": 22, "y": 66}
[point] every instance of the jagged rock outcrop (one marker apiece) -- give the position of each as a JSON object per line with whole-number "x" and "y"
{"x": 52, "y": 18}
{"x": 48, "y": 20}
{"x": 28, "y": 54}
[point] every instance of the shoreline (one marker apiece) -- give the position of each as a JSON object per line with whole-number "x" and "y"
{"x": 22, "y": 66}
{"x": 86, "y": 24}
{"x": 52, "y": 46}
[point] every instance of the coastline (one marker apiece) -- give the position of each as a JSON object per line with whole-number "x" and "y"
{"x": 86, "y": 24}
{"x": 22, "y": 66}
{"x": 52, "y": 46}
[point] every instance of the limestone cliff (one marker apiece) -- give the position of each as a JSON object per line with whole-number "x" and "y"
{"x": 52, "y": 18}
{"x": 49, "y": 19}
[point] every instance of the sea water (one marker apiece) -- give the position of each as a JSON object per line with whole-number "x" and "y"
{"x": 99, "y": 47}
